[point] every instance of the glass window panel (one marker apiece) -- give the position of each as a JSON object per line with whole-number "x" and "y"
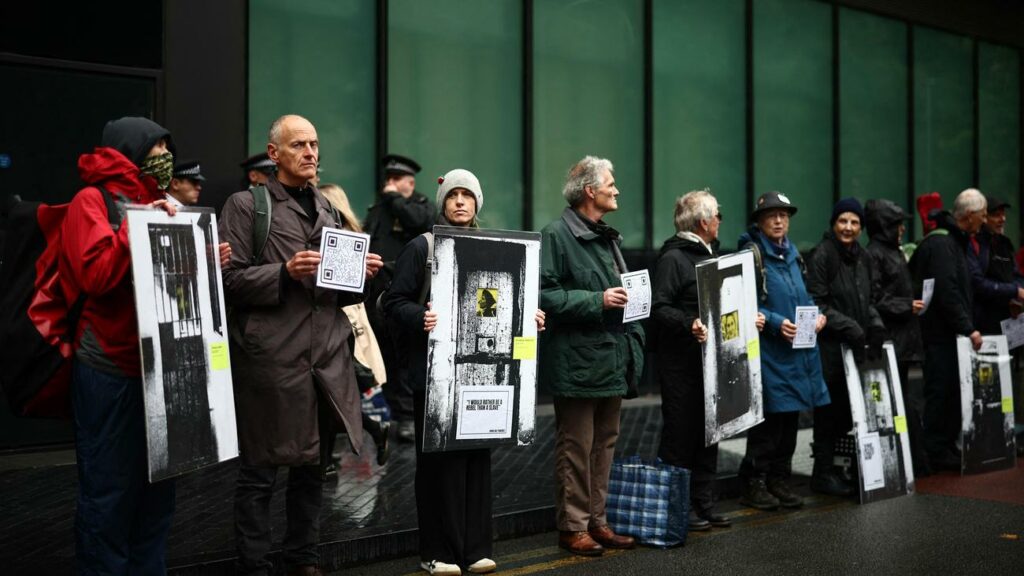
{"x": 316, "y": 58}
{"x": 872, "y": 107}
{"x": 699, "y": 96}
{"x": 999, "y": 129}
{"x": 455, "y": 96}
{"x": 588, "y": 99}
{"x": 943, "y": 115}
{"x": 793, "y": 110}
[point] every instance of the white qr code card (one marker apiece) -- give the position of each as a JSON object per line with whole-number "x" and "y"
{"x": 342, "y": 260}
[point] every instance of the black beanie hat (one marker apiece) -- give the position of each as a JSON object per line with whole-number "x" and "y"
{"x": 847, "y": 205}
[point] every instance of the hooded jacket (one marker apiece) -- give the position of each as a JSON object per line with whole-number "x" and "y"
{"x": 791, "y": 379}
{"x": 96, "y": 259}
{"x": 941, "y": 255}
{"x": 892, "y": 289}
{"x": 839, "y": 280}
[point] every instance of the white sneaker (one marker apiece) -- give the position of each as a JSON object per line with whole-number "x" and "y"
{"x": 482, "y": 566}
{"x": 435, "y": 567}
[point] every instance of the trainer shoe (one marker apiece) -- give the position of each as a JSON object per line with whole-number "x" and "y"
{"x": 438, "y": 568}
{"x": 482, "y": 566}
{"x": 407, "y": 431}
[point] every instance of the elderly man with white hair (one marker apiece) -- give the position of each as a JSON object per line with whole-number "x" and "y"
{"x": 942, "y": 255}
{"x": 676, "y": 318}
{"x": 587, "y": 354}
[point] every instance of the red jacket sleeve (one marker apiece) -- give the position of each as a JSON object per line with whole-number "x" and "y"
{"x": 97, "y": 256}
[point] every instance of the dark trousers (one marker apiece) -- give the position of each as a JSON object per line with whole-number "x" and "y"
{"x": 398, "y": 391}
{"x": 252, "y": 517}
{"x": 770, "y": 446}
{"x": 833, "y": 421}
{"x": 122, "y": 521}
{"x": 453, "y": 501}
{"x": 941, "y": 397}
{"x": 912, "y": 403}
{"x": 682, "y": 435}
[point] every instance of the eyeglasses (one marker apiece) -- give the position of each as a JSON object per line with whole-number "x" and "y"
{"x": 719, "y": 216}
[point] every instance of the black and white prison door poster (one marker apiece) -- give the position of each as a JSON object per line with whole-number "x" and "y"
{"x": 986, "y": 404}
{"x": 727, "y": 302}
{"x": 880, "y": 426}
{"x": 481, "y": 360}
{"x": 186, "y": 369}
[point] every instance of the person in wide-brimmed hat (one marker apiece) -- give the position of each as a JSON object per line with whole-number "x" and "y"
{"x": 791, "y": 378}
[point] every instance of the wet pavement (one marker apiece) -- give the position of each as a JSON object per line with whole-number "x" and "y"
{"x": 369, "y": 511}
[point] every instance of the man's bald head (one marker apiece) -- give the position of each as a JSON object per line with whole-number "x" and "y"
{"x": 295, "y": 149}
{"x": 277, "y": 126}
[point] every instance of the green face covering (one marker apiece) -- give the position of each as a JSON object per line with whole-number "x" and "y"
{"x": 160, "y": 167}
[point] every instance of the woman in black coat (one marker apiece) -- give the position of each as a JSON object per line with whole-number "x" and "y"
{"x": 679, "y": 365}
{"x": 839, "y": 280}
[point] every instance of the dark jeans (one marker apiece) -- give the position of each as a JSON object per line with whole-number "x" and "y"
{"x": 453, "y": 501}
{"x": 941, "y": 397}
{"x": 682, "y": 434}
{"x": 911, "y": 405}
{"x": 770, "y": 446}
{"x": 252, "y": 517}
{"x": 122, "y": 520}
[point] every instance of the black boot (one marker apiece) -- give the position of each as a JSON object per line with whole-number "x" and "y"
{"x": 826, "y": 477}
{"x": 756, "y": 495}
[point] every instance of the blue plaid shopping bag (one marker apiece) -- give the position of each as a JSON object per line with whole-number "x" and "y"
{"x": 649, "y": 501}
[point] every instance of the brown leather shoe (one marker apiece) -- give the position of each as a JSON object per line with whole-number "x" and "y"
{"x": 609, "y": 539}
{"x": 579, "y": 543}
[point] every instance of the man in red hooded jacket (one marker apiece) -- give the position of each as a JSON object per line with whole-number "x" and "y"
{"x": 122, "y": 520}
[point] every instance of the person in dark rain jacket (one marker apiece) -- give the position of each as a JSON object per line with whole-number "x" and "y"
{"x": 892, "y": 291}
{"x": 839, "y": 280}
{"x": 941, "y": 256}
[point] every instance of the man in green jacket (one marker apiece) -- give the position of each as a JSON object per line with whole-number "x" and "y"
{"x": 587, "y": 354}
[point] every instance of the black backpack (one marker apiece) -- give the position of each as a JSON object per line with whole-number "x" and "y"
{"x": 37, "y": 320}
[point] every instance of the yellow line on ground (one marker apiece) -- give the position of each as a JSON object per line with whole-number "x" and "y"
{"x": 553, "y": 564}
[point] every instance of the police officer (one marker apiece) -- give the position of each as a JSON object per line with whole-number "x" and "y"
{"x": 399, "y": 215}
{"x": 186, "y": 184}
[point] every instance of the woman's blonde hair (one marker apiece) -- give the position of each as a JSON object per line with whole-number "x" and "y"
{"x": 336, "y": 196}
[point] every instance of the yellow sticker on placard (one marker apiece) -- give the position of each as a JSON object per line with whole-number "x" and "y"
{"x": 901, "y": 424}
{"x": 524, "y": 348}
{"x": 219, "y": 356}
{"x": 1007, "y": 405}
{"x": 753, "y": 349}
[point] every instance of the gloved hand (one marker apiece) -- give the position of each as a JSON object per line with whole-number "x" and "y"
{"x": 858, "y": 349}
{"x": 876, "y": 337}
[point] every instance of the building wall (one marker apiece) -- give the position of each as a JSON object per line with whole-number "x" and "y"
{"x": 816, "y": 99}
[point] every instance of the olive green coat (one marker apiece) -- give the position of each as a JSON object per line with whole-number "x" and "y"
{"x": 585, "y": 351}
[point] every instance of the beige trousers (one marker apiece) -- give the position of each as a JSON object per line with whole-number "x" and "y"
{"x": 587, "y": 429}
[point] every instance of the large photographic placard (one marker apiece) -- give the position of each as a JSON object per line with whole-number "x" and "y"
{"x": 727, "y": 295}
{"x": 880, "y": 426}
{"x": 186, "y": 368}
{"x": 986, "y": 404}
{"x": 482, "y": 355}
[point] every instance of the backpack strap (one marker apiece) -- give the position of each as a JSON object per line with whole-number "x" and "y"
{"x": 113, "y": 214}
{"x": 263, "y": 208}
{"x": 759, "y": 277}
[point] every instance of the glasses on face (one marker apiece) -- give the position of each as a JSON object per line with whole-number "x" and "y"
{"x": 719, "y": 216}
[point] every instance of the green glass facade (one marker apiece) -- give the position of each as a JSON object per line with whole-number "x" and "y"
{"x": 699, "y": 98}
{"x": 813, "y": 99}
{"x": 454, "y": 96}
